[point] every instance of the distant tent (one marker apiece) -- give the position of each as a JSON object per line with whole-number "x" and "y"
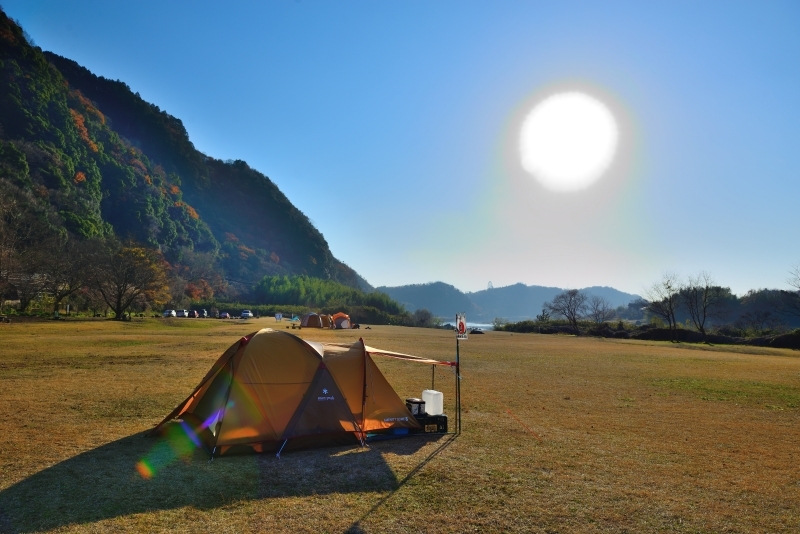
{"x": 325, "y": 320}
{"x": 311, "y": 320}
{"x": 341, "y": 320}
{"x": 272, "y": 389}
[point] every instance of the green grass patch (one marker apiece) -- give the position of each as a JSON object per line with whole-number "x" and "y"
{"x": 771, "y": 395}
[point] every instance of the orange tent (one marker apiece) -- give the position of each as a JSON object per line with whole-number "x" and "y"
{"x": 272, "y": 389}
{"x": 340, "y": 320}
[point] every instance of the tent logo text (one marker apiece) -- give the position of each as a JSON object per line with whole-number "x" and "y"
{"x": 390, "y": 419}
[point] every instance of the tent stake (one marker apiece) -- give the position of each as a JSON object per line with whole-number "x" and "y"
{"x": 282, "y": 446}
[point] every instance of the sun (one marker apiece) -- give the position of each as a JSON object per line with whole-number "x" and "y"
{"x": 568, "y": 141}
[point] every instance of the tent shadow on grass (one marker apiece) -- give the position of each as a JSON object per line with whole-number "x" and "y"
{"x": 104, "y": 483}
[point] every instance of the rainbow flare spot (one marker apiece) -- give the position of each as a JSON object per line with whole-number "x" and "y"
{"x": 179, "y": 442}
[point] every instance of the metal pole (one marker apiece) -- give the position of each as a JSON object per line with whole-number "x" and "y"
{"x": 458, "y": 389}
{"x": 433, "y": 377}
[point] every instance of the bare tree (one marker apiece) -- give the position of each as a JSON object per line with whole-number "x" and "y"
{"x": 571, "y": 305}
{"x": 663, "y": 299}
{"x": 704, "y": 300}
{"x": 758, "y": 322}
{"x": 790, "y": 301}
{"x": 794, "y": 277}
{"x": 600, "y": 310}
{"x": 543, "y": 317}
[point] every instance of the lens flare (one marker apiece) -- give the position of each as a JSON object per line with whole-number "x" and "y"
{"x": 179, "y": 442}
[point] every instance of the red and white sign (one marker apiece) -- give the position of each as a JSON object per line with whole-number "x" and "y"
{"x": 461, "y": 326}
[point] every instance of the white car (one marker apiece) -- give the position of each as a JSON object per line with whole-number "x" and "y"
{"x": 247, "y": 314}
{"x": 168, "y": 313}
{"x": 181, "y": 313}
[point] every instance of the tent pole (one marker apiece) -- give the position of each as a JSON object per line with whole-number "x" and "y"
{"x": 433, "y": 376}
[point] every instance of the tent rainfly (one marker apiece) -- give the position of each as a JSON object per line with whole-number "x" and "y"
{"x": 272, "y": 390}
{"x": 314, "y": 320}
{"x": 341, "y": 320}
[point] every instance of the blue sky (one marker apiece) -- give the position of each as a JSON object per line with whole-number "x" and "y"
{"x": 393, "y": 126}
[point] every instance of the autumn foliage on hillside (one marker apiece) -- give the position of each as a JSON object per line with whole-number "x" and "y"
{"x": 90, "y": 158}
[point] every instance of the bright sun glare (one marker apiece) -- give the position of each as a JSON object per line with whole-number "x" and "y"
{"x": 567, "y": 141}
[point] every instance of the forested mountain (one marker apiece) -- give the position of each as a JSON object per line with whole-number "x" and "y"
{"x": 514, "y": 302}
{"x": 89, "y": 156}
{"x": 443, "y": 300}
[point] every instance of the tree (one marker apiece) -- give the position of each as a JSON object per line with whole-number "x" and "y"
{"x": 794, "y": 277}
{"x": 600, "y": 309}
{"x": 758, "y": 322}
{"x": 423, "y": 318}
{"x": 571, "y": 305}
{"x": 543, "y": 317}
{"x": 704, "y": 300}
{"x": 19, "y": 257}
{"x": 790, "y": 301}
{"x": 499, "y": 322}
{"x": 65, "y": 268}
{"x": 663, "y": 299}
{"x": 26, "y": 278}
{"x": 123, "y": 274}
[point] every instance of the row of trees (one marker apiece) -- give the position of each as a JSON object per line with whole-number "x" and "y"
{"x": 705, "y": 303}
{"x": 695, "y": 300}
{"x": 100, "y": 273}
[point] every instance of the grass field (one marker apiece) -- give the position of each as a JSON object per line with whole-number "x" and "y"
{"x": 560, "y": 434}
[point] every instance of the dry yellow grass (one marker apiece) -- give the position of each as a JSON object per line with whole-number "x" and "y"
{"x": 635, "y": 437}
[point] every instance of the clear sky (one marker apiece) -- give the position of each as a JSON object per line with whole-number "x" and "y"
{"x": 395, "y": 126}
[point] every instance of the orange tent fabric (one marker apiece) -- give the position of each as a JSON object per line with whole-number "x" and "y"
{"x": 340, "y": 320}
{"x": 272, "y": 389}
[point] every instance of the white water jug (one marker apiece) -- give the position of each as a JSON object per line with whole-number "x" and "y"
{"x": 434, "y": 401}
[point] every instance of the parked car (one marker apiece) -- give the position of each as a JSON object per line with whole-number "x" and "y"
{"x": 181, "y": 313}
{"x": 203, "y": 313}
{"x": 247, "y": 314}
{"x": 224, "y": 315}
{"x": 193, "y": 314}
{"x": 168, "y": 313}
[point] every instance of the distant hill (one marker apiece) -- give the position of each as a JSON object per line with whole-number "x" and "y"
{"x": 443, "y": 300}
{"x": 515, "y": 302}
{"x": 92, "y": 157}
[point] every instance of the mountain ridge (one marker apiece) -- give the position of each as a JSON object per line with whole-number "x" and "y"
{"x": 515, "y": 302}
